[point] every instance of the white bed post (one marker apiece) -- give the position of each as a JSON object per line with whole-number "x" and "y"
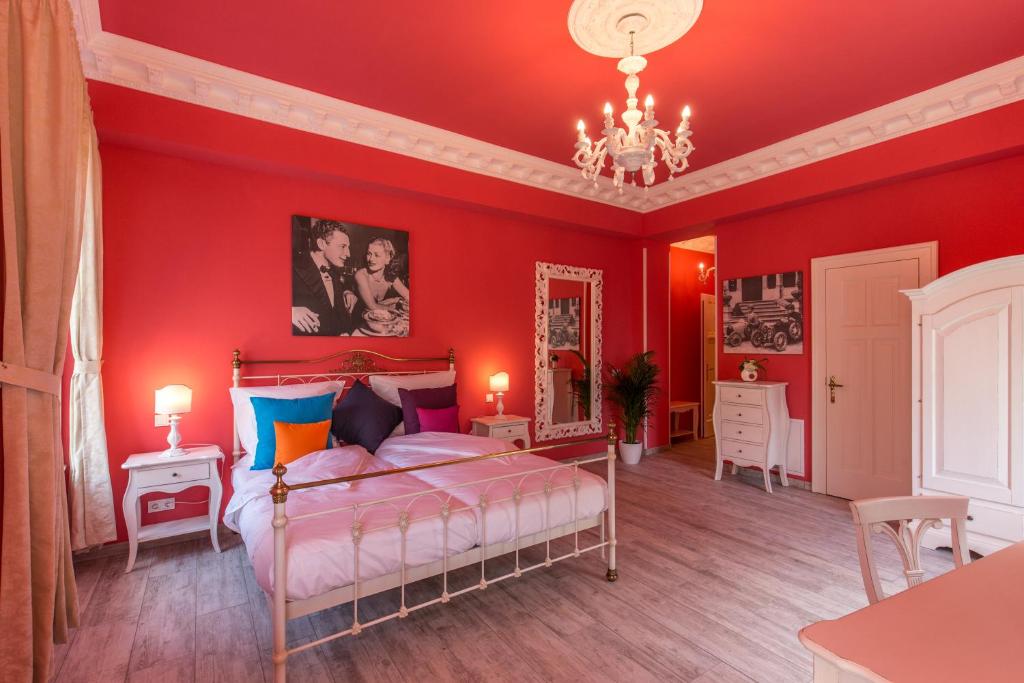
{"x": 236, "y": 378}
{"x": 279, "y": 493}
{"x": 613, "y": 572}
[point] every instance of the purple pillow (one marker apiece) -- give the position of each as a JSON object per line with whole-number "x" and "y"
{"x": 439, "y": 419}
{"x": 364, "y": 418}
{"x": 440, "y": 397}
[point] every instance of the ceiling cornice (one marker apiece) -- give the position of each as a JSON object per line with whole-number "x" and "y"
{"x": 972, "y": 94}
{"x": 134, "y": 64}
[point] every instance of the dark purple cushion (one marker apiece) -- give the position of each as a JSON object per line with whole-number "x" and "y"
{"x": 364, "y": 418}
{"x": 433, "y": 399}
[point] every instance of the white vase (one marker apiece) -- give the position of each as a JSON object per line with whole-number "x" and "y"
{"x": 630, "y": 452}
{"x": 748, "y": 374}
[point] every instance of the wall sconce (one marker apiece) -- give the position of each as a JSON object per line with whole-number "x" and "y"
{"x": 498, "y": 383}
{"x": 704, "y": 273}
{"x": 173, "y": 400}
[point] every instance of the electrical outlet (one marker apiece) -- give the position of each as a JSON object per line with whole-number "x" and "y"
{"x": 161, "y": 421}
{"x": 161, "y": 504}
{"x": 488, "y": 398}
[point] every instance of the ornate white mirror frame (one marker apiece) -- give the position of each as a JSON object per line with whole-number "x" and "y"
{"x": 544, "y": 428}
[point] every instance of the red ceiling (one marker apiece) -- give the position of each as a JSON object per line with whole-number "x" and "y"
{"x": 755, "y": 72}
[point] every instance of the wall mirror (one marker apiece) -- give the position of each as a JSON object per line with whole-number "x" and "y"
{"x": 567, "y": 351}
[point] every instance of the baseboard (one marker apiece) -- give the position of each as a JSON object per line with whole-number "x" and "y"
{"x": 654, "y": 450}
{"x": 121, "y": 547}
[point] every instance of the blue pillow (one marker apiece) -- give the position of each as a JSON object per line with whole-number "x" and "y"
{"x": 364, "y": 418}
{"x": 293, "y": 410}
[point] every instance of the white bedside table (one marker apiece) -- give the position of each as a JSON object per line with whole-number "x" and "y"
{"x": 509, "y": 427}
{"x": 149, "y": 473}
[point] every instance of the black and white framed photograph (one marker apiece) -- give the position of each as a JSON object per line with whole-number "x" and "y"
{"x": 349, "y": 279}
{"x": 763, "y": 314}
{"x": 564, "y": 324}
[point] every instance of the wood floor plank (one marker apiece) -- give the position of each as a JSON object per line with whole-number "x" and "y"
{"x": 226, "y": 646}
{"x": 715, "y": 580}
{"x": 221, "y": 582}
{"x": 167, "y": 627}
{"x": 100, "y": 652}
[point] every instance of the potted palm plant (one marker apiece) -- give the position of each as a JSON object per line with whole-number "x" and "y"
{"x": 632, "y": 389}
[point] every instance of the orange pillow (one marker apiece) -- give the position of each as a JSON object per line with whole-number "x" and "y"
{"x": 297, "y": 440}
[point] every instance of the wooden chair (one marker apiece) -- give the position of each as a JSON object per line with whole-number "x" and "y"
{"x": 893, "y": 517}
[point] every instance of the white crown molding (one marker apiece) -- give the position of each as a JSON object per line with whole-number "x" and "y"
{"x": 131, "y": 63}
{"x": 983, "y": 90}
{"x": 115, "y": 59}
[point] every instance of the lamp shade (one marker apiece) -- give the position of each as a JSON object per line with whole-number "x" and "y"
{"x": 173, "y": 399}
{"x": 499, "y": 381}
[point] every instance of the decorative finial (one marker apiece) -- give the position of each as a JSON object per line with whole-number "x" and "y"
{"x": 611, "y": 431}
{"x": 451, "y": 357}
{"x": 235, "y": 360}
{"x": 279, "y": 491}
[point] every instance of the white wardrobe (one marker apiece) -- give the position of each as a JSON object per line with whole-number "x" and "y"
{"x": 968, "y": 374}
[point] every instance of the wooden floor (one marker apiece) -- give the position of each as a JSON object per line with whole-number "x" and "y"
{"x": 715, "y": 580}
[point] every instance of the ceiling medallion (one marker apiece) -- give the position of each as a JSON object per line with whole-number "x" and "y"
{"x": 610, "y": 29}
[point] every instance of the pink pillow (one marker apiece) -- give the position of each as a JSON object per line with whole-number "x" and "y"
{"x": 439, "y": 419}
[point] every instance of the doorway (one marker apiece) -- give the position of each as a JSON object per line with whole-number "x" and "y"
{"x": 692, "y": 363}
{"x": 861, "y": 376}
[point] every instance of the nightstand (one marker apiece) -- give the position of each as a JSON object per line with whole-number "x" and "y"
{"x": 508, "y": 427}
{"x": 149, "y": 473}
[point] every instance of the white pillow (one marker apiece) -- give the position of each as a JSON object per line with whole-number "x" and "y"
{"x": 245, "y": 416}
{"x": 387, "y": 386}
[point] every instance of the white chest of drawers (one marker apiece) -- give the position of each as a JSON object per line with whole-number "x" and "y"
{"x": 751, "y": 427}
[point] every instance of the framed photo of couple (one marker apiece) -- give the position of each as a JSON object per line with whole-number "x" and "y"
{"x": 349, "y": 279}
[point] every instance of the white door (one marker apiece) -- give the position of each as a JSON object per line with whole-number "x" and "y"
{"x": 709, "y": 362}
{"x": 867, "y": 347}
{"x": 972, "y": 350}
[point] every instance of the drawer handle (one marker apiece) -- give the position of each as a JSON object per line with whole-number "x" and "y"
{"x": 739, "y": 414}
{"x": 740, "y": 450}
{"x": 970, "y": 518}
{"x": 740, "y": 431}
{"x": 174, "y": 474}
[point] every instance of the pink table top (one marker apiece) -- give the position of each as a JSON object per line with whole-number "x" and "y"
{"x": 966, "y": 625}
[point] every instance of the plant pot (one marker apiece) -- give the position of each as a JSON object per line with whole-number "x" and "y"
{"x": 630, "y": 452}
{"x": 749, "y": 375}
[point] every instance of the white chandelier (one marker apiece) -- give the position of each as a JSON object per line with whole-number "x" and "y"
{"x": 601, "y": 27}
{"x": 633, "y": 149}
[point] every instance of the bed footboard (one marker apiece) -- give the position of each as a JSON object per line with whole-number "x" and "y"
{"x": 283, "y": 609}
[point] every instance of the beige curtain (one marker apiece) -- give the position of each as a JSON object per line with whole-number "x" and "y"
{"x": 45, "y": 139}
{"x": 92, "y": 501}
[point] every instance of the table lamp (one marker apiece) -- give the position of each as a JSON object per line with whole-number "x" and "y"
{"x": 499, "y": 385}
{"x": 173, "y": 400}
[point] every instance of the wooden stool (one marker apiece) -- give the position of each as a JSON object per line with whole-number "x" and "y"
{"x": 675, "y": 411}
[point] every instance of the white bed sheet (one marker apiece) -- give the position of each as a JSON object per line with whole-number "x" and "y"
{"x": 320, "y": 549}
{"x": 535, "y": 512}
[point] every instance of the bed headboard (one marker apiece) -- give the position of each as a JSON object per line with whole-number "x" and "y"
{"x": 349, "y": 365}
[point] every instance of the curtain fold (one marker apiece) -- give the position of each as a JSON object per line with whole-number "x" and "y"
{"x": 45, "y": 136}
{"x": 91, "y": 498}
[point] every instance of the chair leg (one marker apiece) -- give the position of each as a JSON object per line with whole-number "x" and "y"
{"x": 735, "y": 469}
{"x": 767, "y": 479}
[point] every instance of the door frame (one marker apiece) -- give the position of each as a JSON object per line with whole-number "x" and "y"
{"x": 927, "y": 254}
{"x": 704, "y": 418}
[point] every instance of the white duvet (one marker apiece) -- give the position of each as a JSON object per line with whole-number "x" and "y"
{"x": 320, "y": 549}
{"x": 530, "y": 473}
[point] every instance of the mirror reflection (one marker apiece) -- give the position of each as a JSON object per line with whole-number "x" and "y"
{"x": 569, "y": 353}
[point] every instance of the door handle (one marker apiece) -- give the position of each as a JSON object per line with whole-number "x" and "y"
{"x": 832, "y": 386}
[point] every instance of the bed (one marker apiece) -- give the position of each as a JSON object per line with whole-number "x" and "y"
{"x": 341, "y": 524}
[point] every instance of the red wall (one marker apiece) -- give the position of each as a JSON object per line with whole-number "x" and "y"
{"x": 197, "y": 263}
{"x": 685, "y": 326}
{"x": 975, "y": 214}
